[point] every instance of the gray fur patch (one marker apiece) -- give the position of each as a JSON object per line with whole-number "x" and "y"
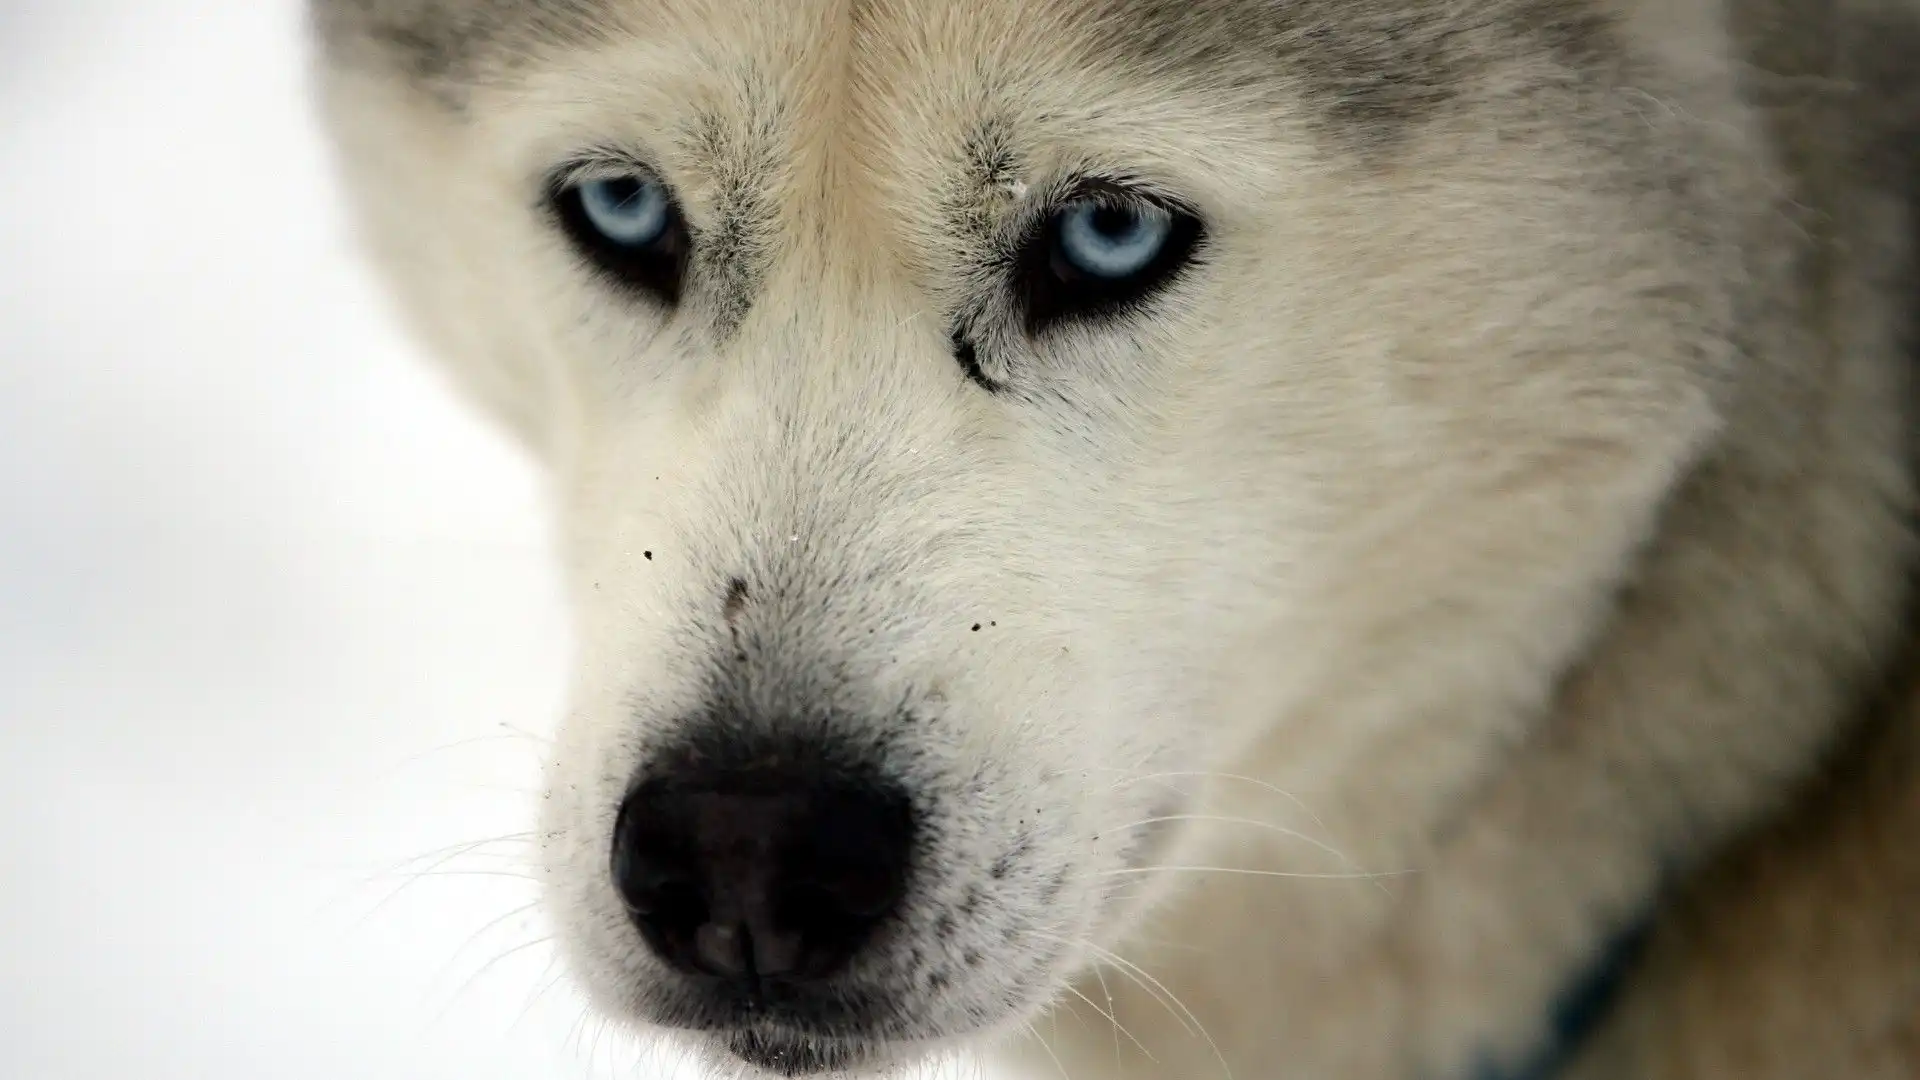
{"x": 441, "y": 44}
{"x": 736, "y": 246}
{"x": 1370, "y": 70}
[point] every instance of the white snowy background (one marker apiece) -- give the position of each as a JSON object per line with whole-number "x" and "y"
{"x": 278, "y": 629}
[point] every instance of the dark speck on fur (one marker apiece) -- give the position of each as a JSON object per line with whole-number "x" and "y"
{"x": 736, "y": 601}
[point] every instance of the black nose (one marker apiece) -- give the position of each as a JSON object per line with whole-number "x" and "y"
{"x": 776, "y": 872}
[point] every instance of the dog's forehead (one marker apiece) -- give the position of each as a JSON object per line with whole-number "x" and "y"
{"x": 469, "y": 40}
{"x": 1369, "y": 69}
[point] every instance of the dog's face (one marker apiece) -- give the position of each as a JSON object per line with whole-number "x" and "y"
{"x": 968, "y": 417}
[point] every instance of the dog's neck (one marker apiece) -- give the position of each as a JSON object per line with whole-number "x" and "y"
{"x": 1580, "y": 1009}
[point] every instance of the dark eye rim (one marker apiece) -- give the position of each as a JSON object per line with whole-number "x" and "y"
{"x": 1052, "y": 293}
{"x": 658, "y": 268}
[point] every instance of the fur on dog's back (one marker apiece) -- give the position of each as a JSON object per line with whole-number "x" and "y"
{"x": 1523, "y": 480}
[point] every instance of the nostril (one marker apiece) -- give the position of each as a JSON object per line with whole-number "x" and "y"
{"x": 650, "y": 875}
{"x": 669, "y": 902}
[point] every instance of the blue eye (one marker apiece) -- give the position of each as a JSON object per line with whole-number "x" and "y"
{"x": 627, "y": 210}
{"x": 629, "y": 227}
{"x": 1109, "y": 240}
{"x": 1103, "y": 253}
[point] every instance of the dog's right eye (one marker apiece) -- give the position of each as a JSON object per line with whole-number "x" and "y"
{"x": 1103, "y": 253}
{"x": 630, "y": 228}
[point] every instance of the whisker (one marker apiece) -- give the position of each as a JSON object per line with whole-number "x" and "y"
{"x": 1049, "y": 1050}
{"x": 1201, "y": 775}
{"x": 414, "y": 759}
{"x": 1160, "y": 994}
{"x": 476, "y": 935}
{"x": 1362, "y": 875}
{"x": 1126, "y": 965}
{"x": 433, "y": 869}
{"x": 593, "y": 1047}
{"x": 441, "y": 856}
{"x": 1118, "y": 1028}
{"x": 516, "y": 875}
{"x": 1351, "y": 863}
{"x": 1161, "y": 944}
{"x": 530, "y": 736}
{"x": 486, "y": 967}
{"x": 454, "y": 849}
{"x": 415, "y": 879}
{"x": 1113, "y": 1014}
{"x": 546, "y": 984}
{"x": 576, "y": 1039}
{"x": 1225, "y": 820}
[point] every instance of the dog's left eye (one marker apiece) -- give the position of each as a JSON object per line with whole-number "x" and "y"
{"x": 630, "y": 227}
{"x": 1095, "y": 239}
{"x": 1102, "y": 253}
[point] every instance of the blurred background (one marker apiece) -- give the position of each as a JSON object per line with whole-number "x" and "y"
{"x": 279, "y": 636}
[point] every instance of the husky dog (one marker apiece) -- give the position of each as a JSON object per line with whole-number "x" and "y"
{"x": 1307, "y": 539}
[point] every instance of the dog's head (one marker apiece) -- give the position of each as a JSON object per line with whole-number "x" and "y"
{"x": 969, "y": 418}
